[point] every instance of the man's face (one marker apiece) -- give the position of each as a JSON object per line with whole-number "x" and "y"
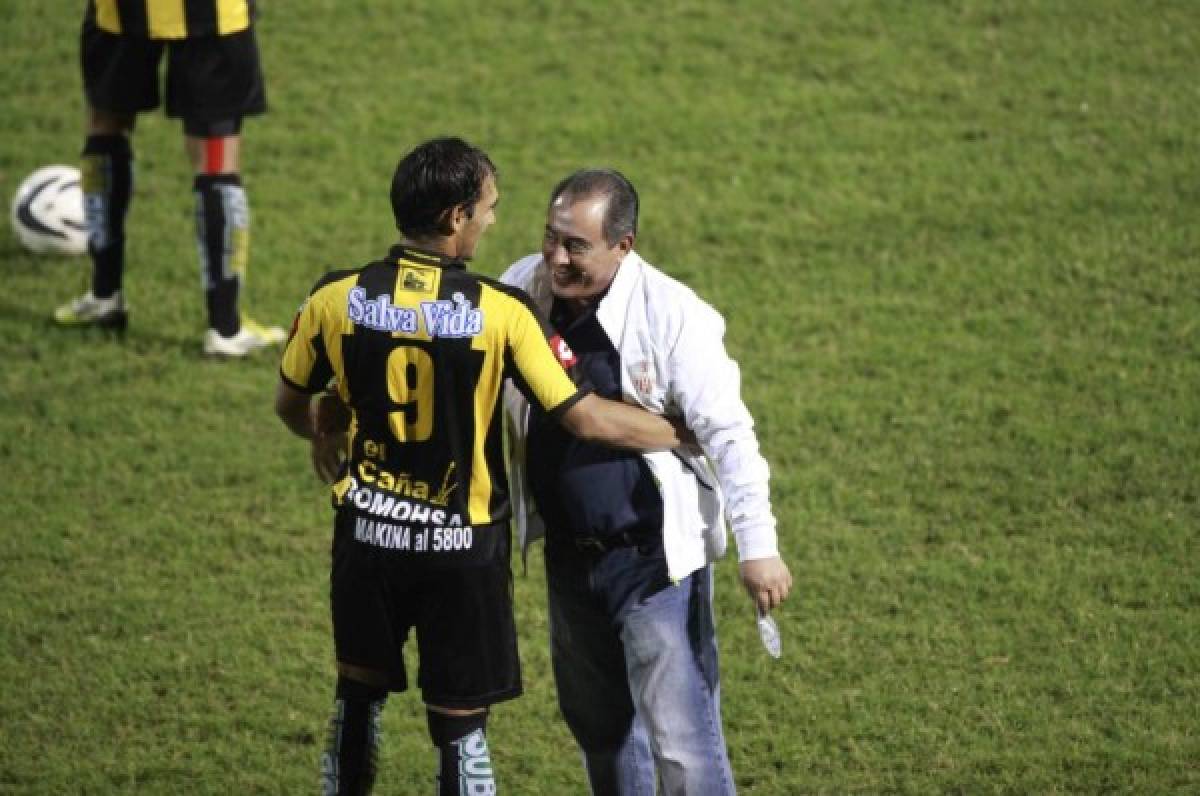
{"x": 582, "y": 264}
{"x": 483, "y": 217}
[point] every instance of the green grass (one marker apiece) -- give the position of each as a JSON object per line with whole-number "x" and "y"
{"x": 957, "y": 247}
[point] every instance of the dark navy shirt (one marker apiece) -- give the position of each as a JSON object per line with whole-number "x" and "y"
{"x": 581, "y": 488}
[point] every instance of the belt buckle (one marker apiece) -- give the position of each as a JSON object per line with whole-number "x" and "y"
{"x": 590, "y": 544}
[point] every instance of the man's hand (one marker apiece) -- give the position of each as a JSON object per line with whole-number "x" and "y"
{"x": 329, "y": 418}
{"x": 328, "y": 451}
{"x": 687, "y": 437}
{"x": 768, "y": 582}
{"x": 329, "y": 414}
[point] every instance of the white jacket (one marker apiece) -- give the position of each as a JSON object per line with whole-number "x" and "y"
{"x": 673, "y": 362}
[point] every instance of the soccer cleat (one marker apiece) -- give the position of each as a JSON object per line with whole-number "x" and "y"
{"x": 250, "y": 338}
{"x": 87, "y": 310}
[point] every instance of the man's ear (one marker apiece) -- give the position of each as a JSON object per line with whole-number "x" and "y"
{"x": 461, "y": 214}
{"x": 451, "y": 220}
{"x": 625, "y": 244}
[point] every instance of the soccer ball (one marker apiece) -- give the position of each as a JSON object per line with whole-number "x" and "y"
{"x": 47, "y": 211}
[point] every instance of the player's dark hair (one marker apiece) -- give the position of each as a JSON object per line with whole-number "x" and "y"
{"x": 621, "y": 215}
{"x": 434, "y": 178}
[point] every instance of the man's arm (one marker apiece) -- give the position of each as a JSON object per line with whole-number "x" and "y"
{"x": 621, "y": 425}
{"x": 705, "y": 383}
{"x": 541, "y": 375}
{"x": 324, "y": 429}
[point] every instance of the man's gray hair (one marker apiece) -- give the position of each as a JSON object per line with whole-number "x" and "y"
{"x": 621, "y": 214}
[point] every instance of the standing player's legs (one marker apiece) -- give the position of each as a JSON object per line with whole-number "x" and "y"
{"x": 108, "y": 187}
{"x": 464, "y": 761}
{"x": 348, "y": 764}
{"x": 369, "y": 665}
{"x": 222, "y": 218}
{"x": 467, "y": 640}
{"x": 223, "y": 235}
{"x": 120, "y": 80}
{"x": 466, "y": 645}
{"x": 107, "y": 177}
{"x": 213, "y": 83}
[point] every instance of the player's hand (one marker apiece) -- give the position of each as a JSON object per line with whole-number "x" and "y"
{"x": 687, "y": 437}
{"x": 768, "y": 581}
{"x": 328, "y": 452}
{"x": 329, "y": 414}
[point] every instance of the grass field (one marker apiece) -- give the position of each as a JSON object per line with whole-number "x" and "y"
{"x": 957, "y": 246}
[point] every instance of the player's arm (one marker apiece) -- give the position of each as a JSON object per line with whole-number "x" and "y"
{"x": 592, "y": 418}
{"x": 620, "y": 425}
{"x": 319, "y": 421}
{"x": 540, "y": 364}
{"x": 293, "y": 408}
{"x": 304, "y": 372}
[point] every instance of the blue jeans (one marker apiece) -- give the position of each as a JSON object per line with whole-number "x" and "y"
{"x": 635, "y": 664}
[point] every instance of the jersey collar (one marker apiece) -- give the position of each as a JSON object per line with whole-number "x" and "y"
{"x": 418, "y": 256}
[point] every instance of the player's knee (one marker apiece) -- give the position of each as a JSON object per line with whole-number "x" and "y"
{"x": 355, "y": 690}
{"x": 109, "y": 123}
{"x": 348, "y": 763}
{"x": 220, "y": 128}
{"x": 213, "y": 145}
{"x": 446, "y": 727}
{"x": 361, "y": 674}
{"x": 464, "y": 762}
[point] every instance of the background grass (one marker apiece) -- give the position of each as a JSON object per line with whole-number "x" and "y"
{"x": 956, "y": 243}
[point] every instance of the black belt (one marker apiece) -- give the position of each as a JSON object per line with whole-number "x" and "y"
{"x": 606, "y": 544}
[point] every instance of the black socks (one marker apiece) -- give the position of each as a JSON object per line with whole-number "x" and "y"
{"x": 107, "y": 170}
{"x": 465, "y": 766}
{"x": 222, "y": 227}
{"x": 223, "y": 238}
{"x": 348, "y": 765}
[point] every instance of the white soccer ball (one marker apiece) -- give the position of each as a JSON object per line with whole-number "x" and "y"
{"x": 47, "y": 211}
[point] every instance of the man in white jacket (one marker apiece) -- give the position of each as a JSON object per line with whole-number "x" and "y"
{"x": 630, "y": 538}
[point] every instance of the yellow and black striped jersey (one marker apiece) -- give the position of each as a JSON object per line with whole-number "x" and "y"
{"x": 419, "y": 348}
{"x": 171, "y": 19}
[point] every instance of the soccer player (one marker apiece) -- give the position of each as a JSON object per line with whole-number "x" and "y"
{"x": 630, "y": 539}
{"x": 419, "y": 348}
{"x": 213, "y": 81}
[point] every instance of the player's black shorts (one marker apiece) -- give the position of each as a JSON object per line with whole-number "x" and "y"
{"x": 209, "y": 78}
{"x": 461, "y": 607}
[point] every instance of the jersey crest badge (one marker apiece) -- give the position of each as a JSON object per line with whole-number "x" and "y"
{"x": 416, "y": 279}
{"x": 642, "y": 374}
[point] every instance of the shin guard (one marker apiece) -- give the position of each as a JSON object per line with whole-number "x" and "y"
{"x": 464, "y": 763}
{"x": 107, "y": 176}
{"x": 348, "y": 764}
{"x": 223, "y": 240}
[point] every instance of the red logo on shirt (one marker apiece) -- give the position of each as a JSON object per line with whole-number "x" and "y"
{"x": 566, "y": 357}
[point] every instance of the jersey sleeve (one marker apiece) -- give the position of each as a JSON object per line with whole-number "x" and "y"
{"x": 305, "y": 365}
{"x": 541, "y": 359}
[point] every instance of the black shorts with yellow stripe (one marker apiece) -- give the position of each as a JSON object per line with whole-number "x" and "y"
{"x": 210, "y": 79}
{"x": 390, "y": 579}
